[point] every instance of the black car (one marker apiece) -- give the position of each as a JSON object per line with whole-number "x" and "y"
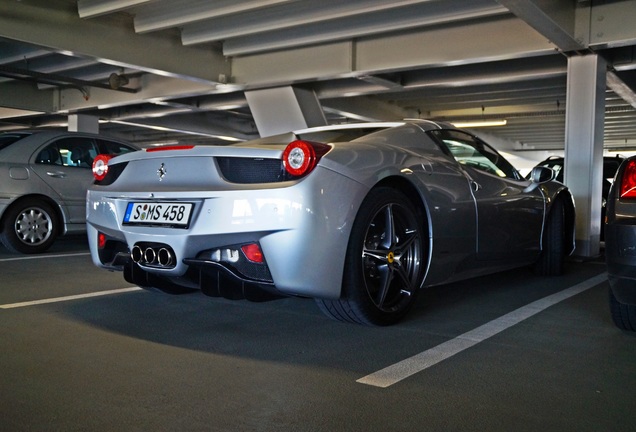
{"x": 620, "y": 246}
{"x": 610, "y": 166}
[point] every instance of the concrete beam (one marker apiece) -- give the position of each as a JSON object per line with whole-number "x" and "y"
{"x": 467, "y": 44}
{"x": 282, "y": 109}
{"x": 554, "y": 19}
{"x": 366, "y": 109}
{"x": 109, "y": 40}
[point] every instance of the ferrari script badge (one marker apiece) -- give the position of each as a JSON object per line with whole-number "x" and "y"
{"x": 161, "y": 172}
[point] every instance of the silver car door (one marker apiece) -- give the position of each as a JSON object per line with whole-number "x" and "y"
{"x": 509, "y": 217}
{"x": 68, "y": 172}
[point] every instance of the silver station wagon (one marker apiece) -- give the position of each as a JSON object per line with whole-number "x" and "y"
{"x": 44, "y": 176}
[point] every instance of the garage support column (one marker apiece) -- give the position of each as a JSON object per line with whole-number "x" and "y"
{"x": 585, "y": 115}
{"x": 283, "y": 109}
{"x": 83, "y": 123}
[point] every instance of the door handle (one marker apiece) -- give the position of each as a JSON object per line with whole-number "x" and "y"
{"x": 56, "y": 174}
{"x": 476, "y": 186}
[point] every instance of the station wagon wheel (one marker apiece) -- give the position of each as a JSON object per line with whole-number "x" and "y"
{"x": 383, "y": 267}
{"x": 29, "y": 226}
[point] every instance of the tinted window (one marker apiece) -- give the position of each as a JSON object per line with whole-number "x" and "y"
{"x": 7, "y": 139}
{"x": 113, "y": 147}
{"x": 71, "y": 152}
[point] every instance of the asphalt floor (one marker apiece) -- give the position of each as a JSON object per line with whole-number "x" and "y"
{"x": 83, "y": 350}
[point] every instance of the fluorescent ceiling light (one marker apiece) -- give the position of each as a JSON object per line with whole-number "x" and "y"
{"x": 479, "y": 123}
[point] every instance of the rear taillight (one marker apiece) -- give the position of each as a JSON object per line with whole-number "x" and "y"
{"x": 100, "y": 166}
{"x": 628, "y": 182}
{"x": 301, "y": 157}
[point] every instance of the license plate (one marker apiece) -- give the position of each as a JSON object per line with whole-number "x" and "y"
{"x": 158, "y": 213}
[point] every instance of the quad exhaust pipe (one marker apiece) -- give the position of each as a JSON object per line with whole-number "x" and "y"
{"x": 153, "y": 256}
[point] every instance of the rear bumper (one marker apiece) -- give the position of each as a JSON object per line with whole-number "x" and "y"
{"x": 302, "y": 229}
{"x": 620, "y": 255}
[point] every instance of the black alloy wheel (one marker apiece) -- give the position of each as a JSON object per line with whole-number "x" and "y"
{"x": 384, "y": 261}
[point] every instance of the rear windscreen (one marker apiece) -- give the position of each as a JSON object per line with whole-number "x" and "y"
{"x": 337, "y": 135}
{"x": 7, "y": 139}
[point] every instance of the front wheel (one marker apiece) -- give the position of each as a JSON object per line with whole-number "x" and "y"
{"x": 384, "y": 263}
{"x": 30, "y": 226}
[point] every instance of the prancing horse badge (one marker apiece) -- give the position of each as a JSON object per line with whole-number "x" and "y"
{"x": 161, "y": 172}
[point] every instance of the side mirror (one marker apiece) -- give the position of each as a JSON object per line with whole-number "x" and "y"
{"x": 538, "y": 175}
{"x": 541, "y": 174}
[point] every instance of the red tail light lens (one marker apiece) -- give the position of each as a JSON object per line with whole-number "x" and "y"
{"x": 628, "y": 183}
{"x": 301, "y": 157}
{"x": 100, "y": 166}
{"x": 101, "y": 240}
{"x": 253, "y": 252}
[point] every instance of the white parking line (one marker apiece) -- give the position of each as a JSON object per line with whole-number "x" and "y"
{"x": 67, "y": 298}
{"x": 410, "y": 366}
{"x": 31, "y": 257}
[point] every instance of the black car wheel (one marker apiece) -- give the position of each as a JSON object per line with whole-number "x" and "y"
{"x": 623, "y": 315}
{"x": 550, "y": 261}
{"x": 29, "y": 226}
{"x": 383, "y": 267}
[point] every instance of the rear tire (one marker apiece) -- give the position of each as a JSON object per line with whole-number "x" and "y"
{"x": 383, "y": 266}
{"x": 623, "y": 315}
{"x": 30, "y": 226}
{"x": 550, "y": 261}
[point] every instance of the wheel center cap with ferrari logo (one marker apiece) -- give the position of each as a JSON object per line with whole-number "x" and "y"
{"x": 390, "y": 257}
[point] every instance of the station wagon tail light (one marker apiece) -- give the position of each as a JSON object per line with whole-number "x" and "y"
{"x": 628, "y": 183}
{"x": 301, "y": 157}
{"x": 100, "y": 166}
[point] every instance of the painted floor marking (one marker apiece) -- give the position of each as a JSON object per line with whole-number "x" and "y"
{"x": 410, "y": 366}
{"x": 44, "y": 256}
{"x": 68, "y": 298}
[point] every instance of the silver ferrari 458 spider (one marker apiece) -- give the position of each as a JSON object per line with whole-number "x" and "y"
{"x": 357, "y": 217}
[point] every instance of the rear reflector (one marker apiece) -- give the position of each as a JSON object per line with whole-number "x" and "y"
{"x": 101, "y": 240}
{"x": 253, "y": 252}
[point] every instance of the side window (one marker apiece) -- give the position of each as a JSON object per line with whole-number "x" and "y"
{"x": 50, "y": 155}
{"x": 76, "y": 151}
{"x": 469, "y": 151}
{"x": 113, "y": 147}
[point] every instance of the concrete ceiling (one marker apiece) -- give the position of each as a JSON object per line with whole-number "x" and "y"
{"x": 186, "y": 64}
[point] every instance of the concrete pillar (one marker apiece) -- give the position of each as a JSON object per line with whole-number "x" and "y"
{"x": 283, "y": 109}
{"x": 83, "y": 123}
{"x": 585, "y": 115}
